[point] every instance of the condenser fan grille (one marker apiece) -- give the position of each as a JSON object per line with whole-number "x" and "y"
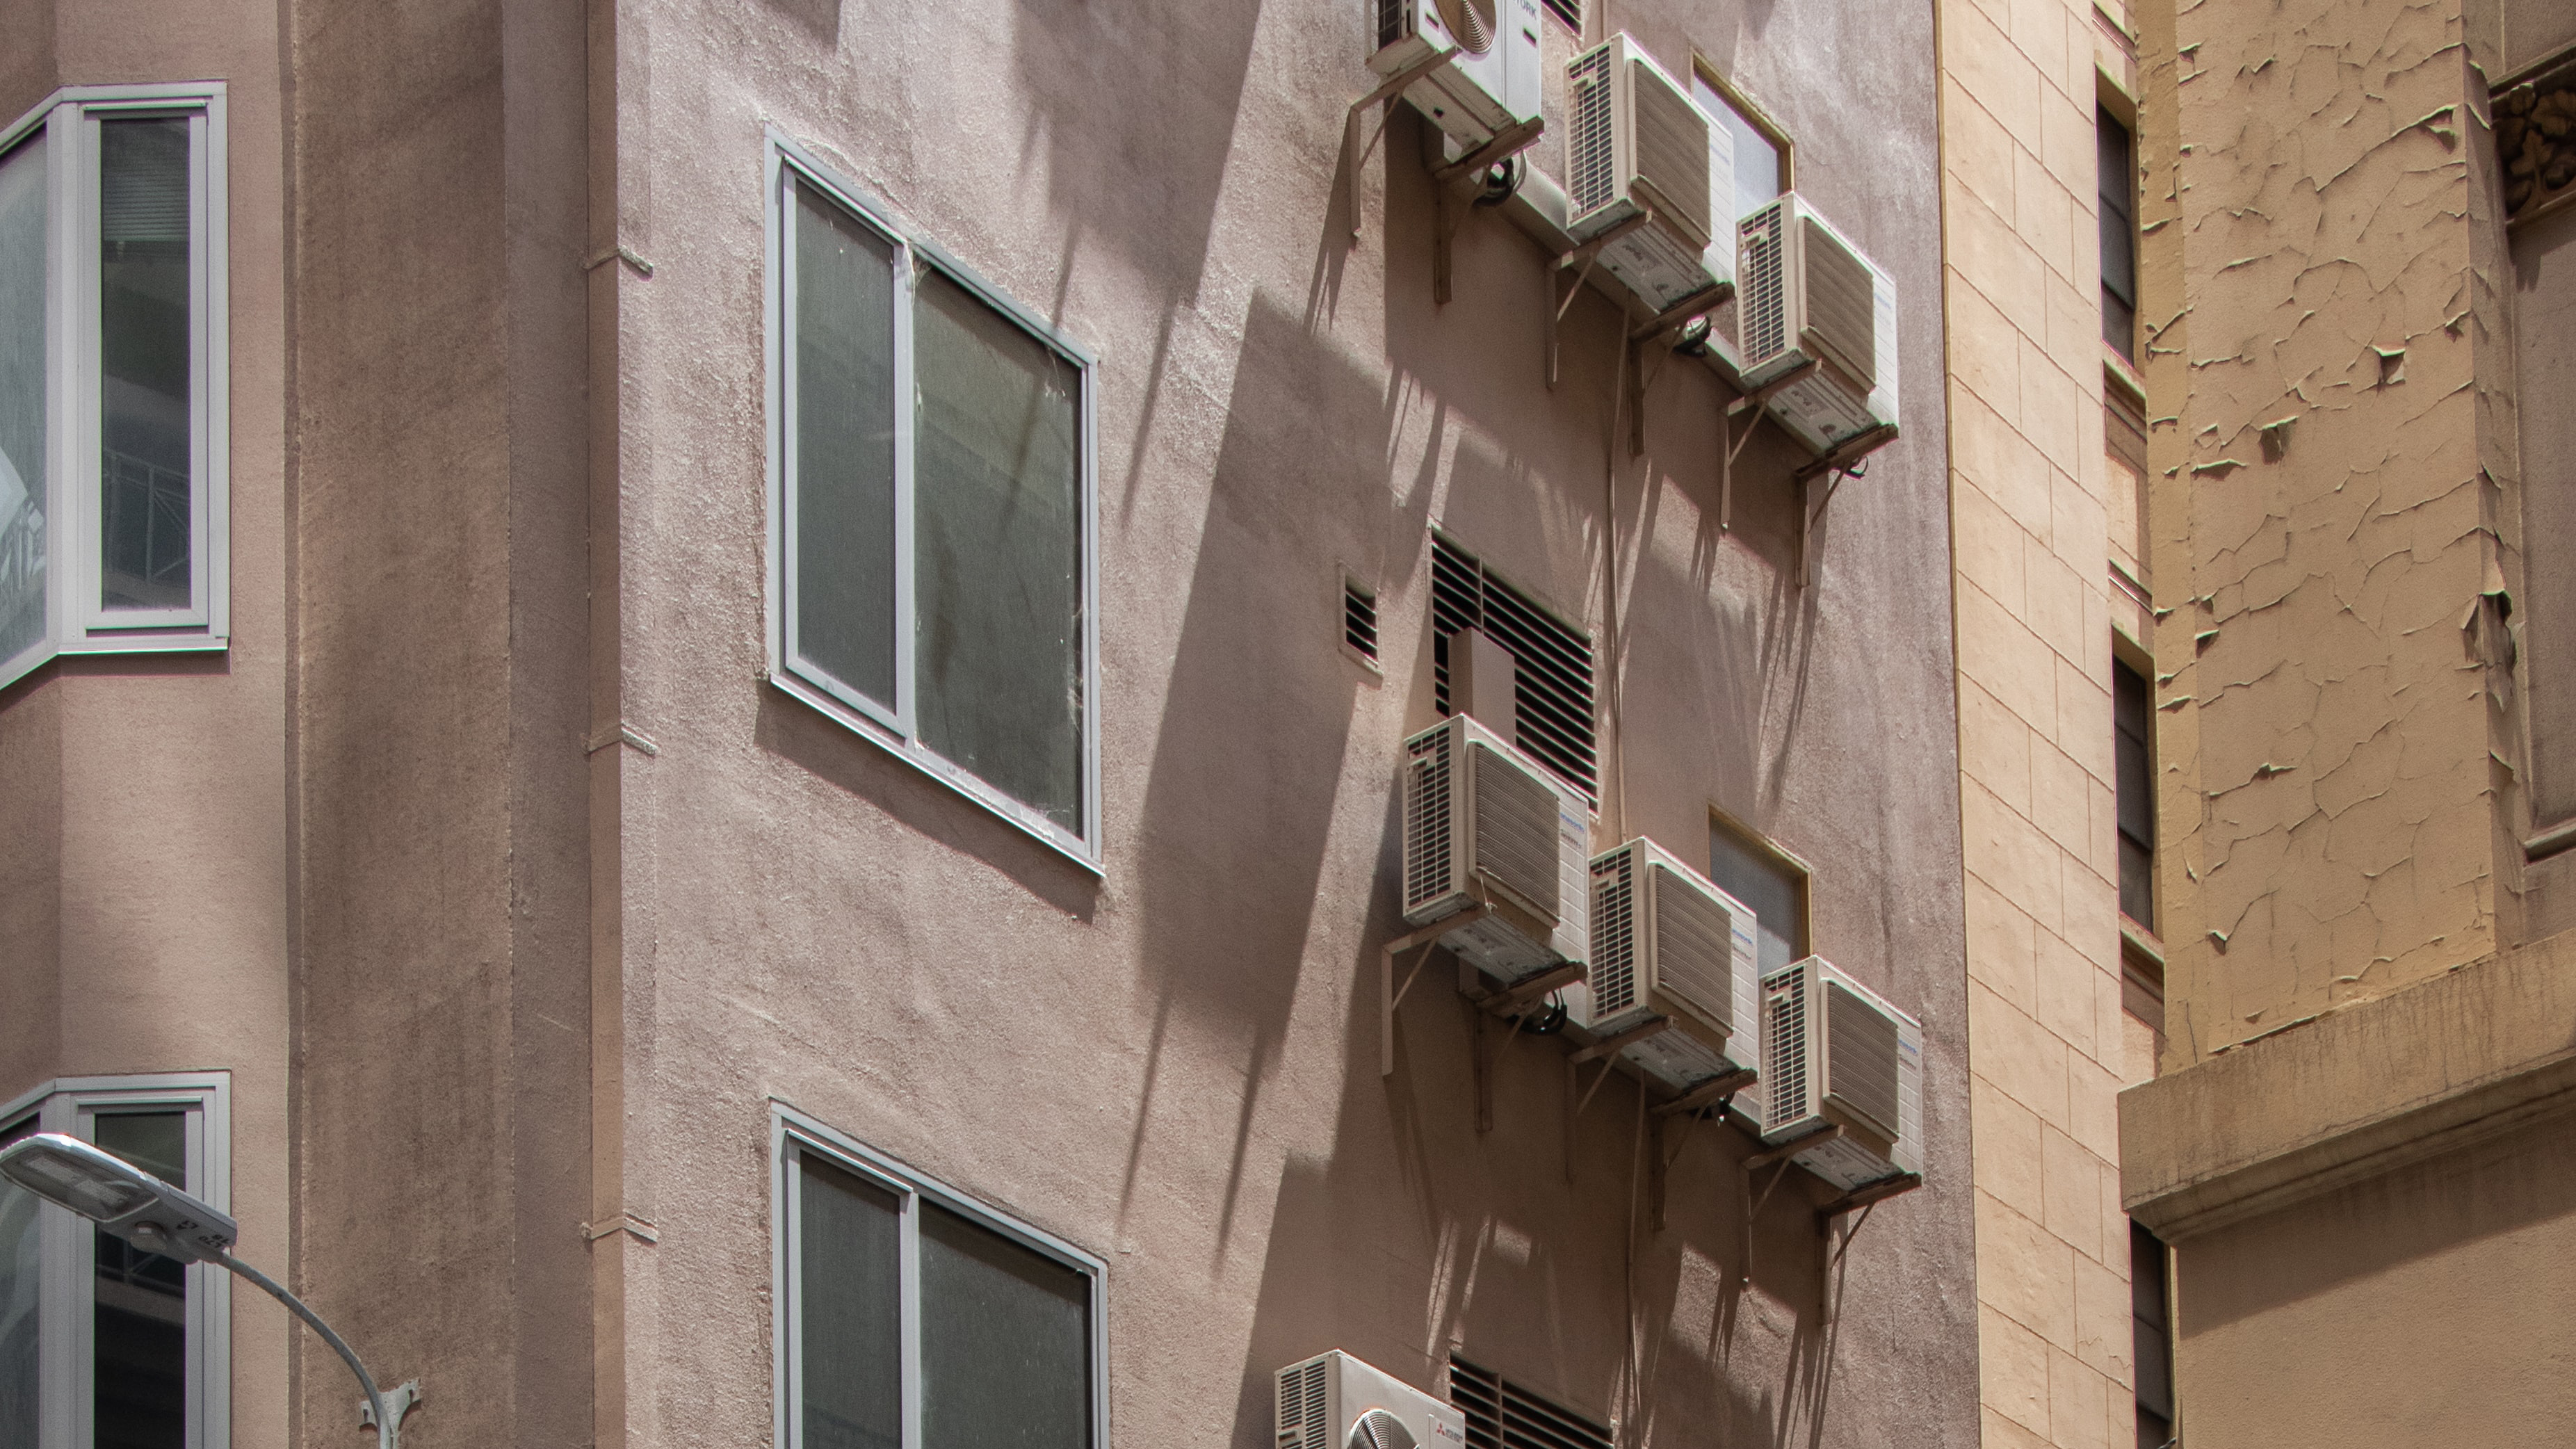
{"x": 1378, "y": 1429}
{"x": 1471, "y": 23}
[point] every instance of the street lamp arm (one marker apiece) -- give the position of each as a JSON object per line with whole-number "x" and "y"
{"x": 388, "y": 1417}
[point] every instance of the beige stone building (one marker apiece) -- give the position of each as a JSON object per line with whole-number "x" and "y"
{"x": 705, "y": 699}
{"x": 2359, "y": 303}
{"x": 2055, "y": 647}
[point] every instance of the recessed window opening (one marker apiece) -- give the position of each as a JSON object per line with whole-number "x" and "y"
{"x": 1359, "y": 619}
{"x": 1761, "y": 148}
{"x": 932, "y": 575}
{"x": 1755, "y": 872}
{"x": 2116, "y": 168}
{"x": 2134, "y": 792}
{"x": 1501, "y": 1414}
{"x": 1551, "y": 662}
{"x": 911, "y": 1315}
{"x": 113, "y": 439}
{"x": 2151, "y": 1338}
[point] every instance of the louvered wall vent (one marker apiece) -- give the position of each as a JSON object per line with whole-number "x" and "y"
{"x": 1503, "y": 1415}
{"x": 1359, "y": 619}
{"x": 1552, "y": 662}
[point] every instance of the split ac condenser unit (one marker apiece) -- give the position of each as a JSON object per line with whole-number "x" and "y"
{"x": 1489, "y": 81}
{"x": 1636, "y": 142}
{"x": 1805, "y": 294}
{"x": 1484, "y": 822}
{"x": 1334, "y": 1401}
{"x": 1666, "y": 942}
{"x": 1835, "y": 1054}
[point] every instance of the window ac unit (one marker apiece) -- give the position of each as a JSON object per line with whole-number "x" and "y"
{"x": 1636, "y": 142}
{"x": 1805, "y": 294}
{"x": 1666, "y": 942}
{"x": 1484, "y": 822}
{"x": 1835, "y": 1054}
{"x": 1334, "y": 1401}
{"x": 1490, "y": 81}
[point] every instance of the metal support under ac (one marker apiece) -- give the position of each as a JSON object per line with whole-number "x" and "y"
{"x": 1507, "y": 143}
{"x": 1389, "y": 994}
{"x": 1750, "y": 402}
{"x": 1834, "y": 467}
{"x": 1355, "y": 151}
{"x": 1516, "y": 1003}
{"x": 1579, "y": 261}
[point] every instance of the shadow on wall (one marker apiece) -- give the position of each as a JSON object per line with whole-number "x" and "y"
{"x": 1256, "y": 724}
{"x": 820, "y": 19}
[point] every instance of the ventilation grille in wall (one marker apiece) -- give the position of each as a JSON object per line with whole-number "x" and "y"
{"x": 1359, "y": 619}
{"x": 1552, "y": 662}
{"x": 1502, "y": 1415}
{"x": 1568, "y": 13}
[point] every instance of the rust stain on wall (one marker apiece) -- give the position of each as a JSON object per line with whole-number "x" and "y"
{"x": 2331, "y": 450}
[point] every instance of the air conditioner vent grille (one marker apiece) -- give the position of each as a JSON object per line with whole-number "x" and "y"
{"x": 1694, "y": 948}
{"x": 1429, "y": 869}
{"x": 1784, "y": 1056}
{"x": 1515, "y": 829}
{"x": 1592, "y": 179}
{"x": 1761, "y": 299}
{"x": 1552, "y": 663}
{"x": 1613, "y": 969}
{"x": 1842, "y": 305}
{"x": 1860, "y": 1048}
{"x": 1302, "y": 1407}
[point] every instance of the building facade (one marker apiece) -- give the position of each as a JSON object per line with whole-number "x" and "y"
{"x": 705, "y": 701}
{"x": 2356, "y": 297}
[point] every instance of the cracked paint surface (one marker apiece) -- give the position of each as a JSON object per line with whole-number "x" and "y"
{"x": 2332, "y": 463}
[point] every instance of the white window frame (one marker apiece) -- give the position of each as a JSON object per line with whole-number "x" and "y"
{"x": 75, "y": 623}
{"x": 793, "y": 1135}
{"x": 787, "y": 164}
{"x": 67, "y": 1339}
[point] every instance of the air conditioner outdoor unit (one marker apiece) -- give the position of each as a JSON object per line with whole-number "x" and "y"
{"x": 1490, "y": 81}
{"x": 1666, "y": 942}
{"x": 1805, "y": 294}
{"x": 1835, "y": 1054}
{"x": 1334, "y": 1401}
{"x": 1484, "y": 822}
{"x": 1636, "y": 142}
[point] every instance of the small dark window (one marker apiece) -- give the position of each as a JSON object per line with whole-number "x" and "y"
{"x": 1752, "y": 872}
{"x": 1501, "y": 1414}
{"x": 1551, "y": 662}
{"x": 1359, "y": 619}
{"x": 2154, "y": 1340}
{"x": 2118, "y": 185}
{"x": 1568, "y": 13}
{"x": 2134, "y": 792}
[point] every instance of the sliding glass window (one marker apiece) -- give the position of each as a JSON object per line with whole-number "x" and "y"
{"x": 112, "y": 384}
{"x": 911, "y": 1316}
{"x": 931, "y": 441}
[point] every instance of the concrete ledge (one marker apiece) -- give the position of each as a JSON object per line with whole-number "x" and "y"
{"x": 2358, "y": 1092}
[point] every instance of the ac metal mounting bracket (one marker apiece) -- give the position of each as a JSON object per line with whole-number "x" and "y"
{"x": 1750, "y": 402}
{"x": 1389, "y": 994}
{"x": 1355, "y": 151}
{"x": 1834, "y": 467}
{"x": 1579, "y": 260}
{"x": 1517, "y": 1003}
{"x": 1507, "y": 143}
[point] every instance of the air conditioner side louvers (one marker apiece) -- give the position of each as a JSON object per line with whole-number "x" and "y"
{"x": 1612, "y": 972}
{"x": 1844, "y": 1072}
{"x": 1516, "y": 830}
{"x": 1784, "y": 1051}
{"x": 1861, "y": 1044}
{"x": 1694, "y": 947}
{"x": 1592, "y": 162}
{"x": 1668, "y": 946}
{"x": 1672, "y": 150}
{"x": 1809, "y": 299}
{"x": 1303, "y": 1407}
{"x": 1430, "y": 872}
{"x": 1841, "y": 308}
{"x": 1484, "y": 823}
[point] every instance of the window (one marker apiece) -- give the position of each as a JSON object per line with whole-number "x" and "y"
{"x": 910, "y": 1316}
{"x": 143, "y": 1336}
{"x": 2116, "y": 166}
{"x": 1501, "y": 1414}
{"x": 1551, "y": 662}
{"x": 931, "y": 534}
{"x": 2152, "y": 1329}
{"x": 1764, "y": 877}
{"x": 2134, "y": 792}
{"x": 1761, "y": 148}
{"x": 112, "y": 379}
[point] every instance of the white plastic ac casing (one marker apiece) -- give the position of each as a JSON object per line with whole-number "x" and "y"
{"x": 1835, "y": 1054}
{"x": 1666, "y": 942}
{"x": 1490, "y": 81}
{"x": 1805, "y": 293}
{"x": 1334, "y": 1401}
{"x": 1636, "y": 141}
{"x": 1484, "y": 822}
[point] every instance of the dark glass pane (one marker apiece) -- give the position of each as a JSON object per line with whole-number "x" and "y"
{"x": 146, "y": 482}
{"x": 142, "y": 1303}
{"x": 22, "y": 400}
{"x": 844, "y": 421}
{"x": 997, "y": 519}
{"x": 1005, "y": 1342}
{"x": 2153, "y": 1344}
{"x": 2116, "y": 191}
{"x": 19, "y": 1247}
{"x": 1775, "y": 892}
{"x": 2134, "y": 790}
{"x": 849, "y": 1312}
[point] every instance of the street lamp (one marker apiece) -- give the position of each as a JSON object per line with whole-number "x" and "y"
{"x": 159, "y": 1218}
